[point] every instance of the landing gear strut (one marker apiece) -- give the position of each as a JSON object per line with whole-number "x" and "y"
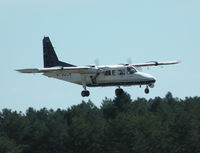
{"x": 119, "y": 91}
{"x": 146, "y": 90}
{"x": 85, "y": 93}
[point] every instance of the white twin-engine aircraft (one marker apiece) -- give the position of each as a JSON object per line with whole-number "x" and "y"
{"x": 95, "y": 76}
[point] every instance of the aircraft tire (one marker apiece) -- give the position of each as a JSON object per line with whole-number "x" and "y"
{"x": 119, "y": 92}
{"x": 146, "y": 90}
{"x": 85, "y": 93}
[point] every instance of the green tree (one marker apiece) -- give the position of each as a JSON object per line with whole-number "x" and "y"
{"x": 123, "y": 102}
{"x": 158, "y": 125}
{"x": 9, "y": 146}
{"x": 109, "y": 109}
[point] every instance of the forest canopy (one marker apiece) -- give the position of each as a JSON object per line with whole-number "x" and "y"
{"x": 119, "y": 125}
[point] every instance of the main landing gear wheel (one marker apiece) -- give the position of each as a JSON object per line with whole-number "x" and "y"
{"x": 119, "y": 92}
{"x": 146, "y": 90}
{"x": 85, "y": 93}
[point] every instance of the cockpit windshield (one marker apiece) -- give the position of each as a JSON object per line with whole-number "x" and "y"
{"x": 131, "y": 70}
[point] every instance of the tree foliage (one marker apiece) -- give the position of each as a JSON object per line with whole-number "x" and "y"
{"x": 159, "y": 125}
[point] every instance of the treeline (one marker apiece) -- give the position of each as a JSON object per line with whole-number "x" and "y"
{"x": 119, "y": 125}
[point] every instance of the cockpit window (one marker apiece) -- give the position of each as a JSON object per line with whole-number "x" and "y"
{"x": 131, "y": 70}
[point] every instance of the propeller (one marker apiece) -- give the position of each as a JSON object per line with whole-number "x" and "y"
{"x": 96, "y": 62}
{"x": 129, "y": 61}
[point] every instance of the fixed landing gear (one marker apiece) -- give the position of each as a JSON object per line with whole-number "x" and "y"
{"x": 85, "y": 93}
{"x": 119, "y": 91}
{"x": 146, "y": 90}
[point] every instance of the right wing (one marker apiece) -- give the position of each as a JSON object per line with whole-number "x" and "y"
{"x": 155, "y": 63}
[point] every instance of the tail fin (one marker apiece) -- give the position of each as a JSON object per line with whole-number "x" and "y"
{"x": 50, "y": 57}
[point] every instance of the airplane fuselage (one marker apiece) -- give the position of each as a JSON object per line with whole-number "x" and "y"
{"x": 94, "y": 76}
{"x": 114, "y": 75}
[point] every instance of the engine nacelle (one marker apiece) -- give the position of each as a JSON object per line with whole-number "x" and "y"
{"x": 152, "y": 85}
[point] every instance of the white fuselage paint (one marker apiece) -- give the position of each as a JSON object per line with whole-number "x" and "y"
{"x": 115, "y": 75}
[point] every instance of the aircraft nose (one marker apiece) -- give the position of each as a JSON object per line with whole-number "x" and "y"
{"x": 149, "y": 77}
{"x": 153, "y": 79}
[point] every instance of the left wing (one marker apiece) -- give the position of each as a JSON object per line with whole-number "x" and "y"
{"x": 155, "y": 63}
{"x": 81, "y": 70}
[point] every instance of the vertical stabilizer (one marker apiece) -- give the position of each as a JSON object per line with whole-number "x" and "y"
{"x": 50, "y": 57}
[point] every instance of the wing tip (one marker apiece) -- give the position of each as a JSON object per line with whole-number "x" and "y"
{"x": 27, "y": 70}
{"x": 19, "y": 70}
{"x": 177, "y": 62}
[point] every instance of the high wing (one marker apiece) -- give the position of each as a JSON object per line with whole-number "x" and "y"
{"x": 80, "y": 70}
{"x": 155, "y": 63}
{"x": 90, "y": 75}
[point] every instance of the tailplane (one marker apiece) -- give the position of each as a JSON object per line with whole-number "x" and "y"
{"x": 50, "y": 57}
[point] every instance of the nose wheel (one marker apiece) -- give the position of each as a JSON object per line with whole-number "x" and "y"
{"x": 85, "y": 93}
{"x": 146, "y": 90}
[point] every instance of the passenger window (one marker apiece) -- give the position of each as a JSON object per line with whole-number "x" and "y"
{"x": 121, "y": 72}
{"x": 108, "y": 72}
{"x": 114, "y": 72}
